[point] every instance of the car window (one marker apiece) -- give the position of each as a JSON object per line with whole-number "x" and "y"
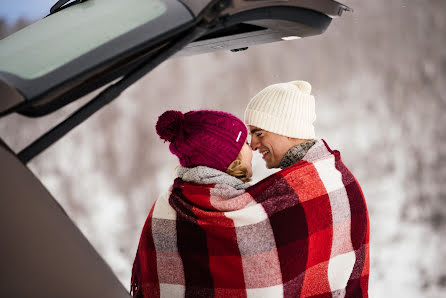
{"x": 57, "y": 41}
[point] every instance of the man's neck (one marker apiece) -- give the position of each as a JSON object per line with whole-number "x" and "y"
{"x": 296, "y": 153}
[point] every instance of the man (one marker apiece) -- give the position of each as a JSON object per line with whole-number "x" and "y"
{"x": 280, "y": 119}
{"x": 334, "y": 242}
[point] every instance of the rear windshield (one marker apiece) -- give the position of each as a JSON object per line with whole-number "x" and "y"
{"x": 64, "y": 36}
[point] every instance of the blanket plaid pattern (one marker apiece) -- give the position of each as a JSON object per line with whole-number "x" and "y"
{"x": 301, "y": 232}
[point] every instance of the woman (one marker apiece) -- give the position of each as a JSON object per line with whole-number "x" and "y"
{"x": 215, "y": 168}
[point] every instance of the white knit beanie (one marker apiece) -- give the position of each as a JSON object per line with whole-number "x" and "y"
{"x": 286, "y": 109}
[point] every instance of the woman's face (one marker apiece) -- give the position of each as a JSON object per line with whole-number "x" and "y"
{"x": 246, "y": 158}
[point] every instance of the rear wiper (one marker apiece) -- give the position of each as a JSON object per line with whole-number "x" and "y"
{"x": 61, "y": 5}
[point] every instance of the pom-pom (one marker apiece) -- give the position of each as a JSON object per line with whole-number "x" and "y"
{"x": 170, "y": 125}
{"x": 303, "y": 86}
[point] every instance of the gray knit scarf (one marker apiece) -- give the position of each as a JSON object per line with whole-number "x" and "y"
{"x": 296, "y": 154}
{"x": 205, "y": 175}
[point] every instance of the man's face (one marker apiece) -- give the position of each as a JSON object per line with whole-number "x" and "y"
{"x": 273, "y": 147}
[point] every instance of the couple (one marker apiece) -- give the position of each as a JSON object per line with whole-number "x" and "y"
{"x": 301, "y": 232}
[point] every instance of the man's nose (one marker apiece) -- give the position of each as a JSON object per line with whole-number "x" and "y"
{"x": 254, "y": 144}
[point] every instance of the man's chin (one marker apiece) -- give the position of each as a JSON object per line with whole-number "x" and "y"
{"x": 269, "y": 165}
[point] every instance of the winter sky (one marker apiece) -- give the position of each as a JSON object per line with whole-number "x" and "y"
{"x": 11, "y": 10}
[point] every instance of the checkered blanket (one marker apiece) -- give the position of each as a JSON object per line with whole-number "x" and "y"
{"x": 301, "y": 232}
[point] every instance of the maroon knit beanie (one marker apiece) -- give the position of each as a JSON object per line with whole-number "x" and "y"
{"x": 203, "y": 138}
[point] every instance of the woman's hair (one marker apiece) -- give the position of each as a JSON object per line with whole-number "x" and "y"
{"x": 237, "y": 170}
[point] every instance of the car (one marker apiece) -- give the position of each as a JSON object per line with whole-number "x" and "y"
{"x": 82, "y": 46}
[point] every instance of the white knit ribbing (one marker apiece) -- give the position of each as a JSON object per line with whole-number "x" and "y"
{"x": 287, "y": 109}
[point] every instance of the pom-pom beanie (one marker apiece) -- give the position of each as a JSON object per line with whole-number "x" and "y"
{"x": 286, "y": 109}
{"x": 203, "y": 138}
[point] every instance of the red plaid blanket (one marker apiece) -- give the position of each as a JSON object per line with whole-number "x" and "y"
{"x": 301, "y": 232}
